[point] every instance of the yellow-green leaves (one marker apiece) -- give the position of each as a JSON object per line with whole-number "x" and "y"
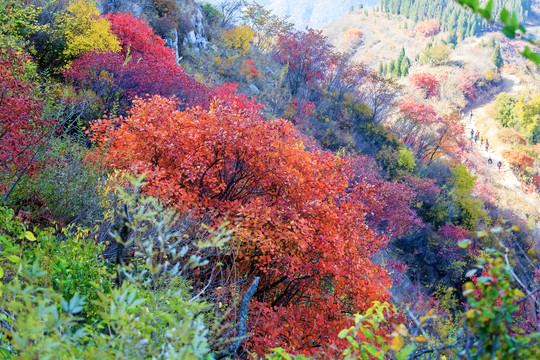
{"x": 29, "y": 236}
{"x": 85, "y": 30}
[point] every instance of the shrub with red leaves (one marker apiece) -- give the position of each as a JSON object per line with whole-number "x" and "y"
{"x": 427, "y": 83}
{"x": 144, "y": 66}
{"x": 23, "y": 130}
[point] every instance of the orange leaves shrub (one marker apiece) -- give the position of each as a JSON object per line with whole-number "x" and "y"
{"x": 299, "y": 216}
{"x": 428, "y": 27}
{"x": 352, "y": 36}
{"x": 518, "y": 158}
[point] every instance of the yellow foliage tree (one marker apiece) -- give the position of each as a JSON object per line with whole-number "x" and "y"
{"x": 85, "y": 30}
{"x": 240, "y": 38}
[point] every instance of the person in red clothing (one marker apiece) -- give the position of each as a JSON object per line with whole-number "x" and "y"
{"x": 499, "y": 164}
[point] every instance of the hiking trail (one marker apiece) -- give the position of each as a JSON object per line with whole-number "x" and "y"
{"x": 508, "y": 192}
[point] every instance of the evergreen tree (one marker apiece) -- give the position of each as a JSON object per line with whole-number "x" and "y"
{"x": 405, "y": 64}
{"x": 381, "y": 70}
{"x": 401, "y": 55}
{"x": 451, "y": 15}
{"x": 491, "y": 42}
{"x": 452, "y": 38}
{"x": 497, "y": 57}
{"x": 392, "y": 67}
{"x": 396, "y": 71}
{"x": 474, "y": 28}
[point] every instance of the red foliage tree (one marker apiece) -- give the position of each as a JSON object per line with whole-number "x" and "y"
{"x": 428, "y": 27}
{"x": 427, "y": 83}
{"x": 448, "y": 136}
{"x": 415, "y": 116}
{"x": 299, "y": 216}
{"x": 466, "y": 82}
{"x": 23, "y": 129}
{"x": 145, "y": 66}
{"x": 454, "y": 232}
{"x": 422, "y": 113}
{"x": 390, "y": 202}
{"x": 308, "y": 55}
{"x": 430, "y": 135}
{"x": 138, "y": 39}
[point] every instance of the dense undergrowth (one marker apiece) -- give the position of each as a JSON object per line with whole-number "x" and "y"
{"x": 139, "y": 202}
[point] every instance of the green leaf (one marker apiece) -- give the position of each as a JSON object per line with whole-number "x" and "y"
{"x": 505, "y": 16}
{"x": 14, "y": 258}
{"x": 515, "y": 20}
{"x": 373, "y": 350}
{"x": 29, "y": 236}
{"x": 405, "y": 352}
{"x": 509, "y": 31}
{"x": 531, "y": 55}
{"x": 488, "y": 10}
{"x": 464, "y": 243}
{"x": 497, "y": 230}
{"x": 492, "y": 294}
{"x": 343, "y": 333}
{"x": 484, "y": 279}
{"x": 281, "y": 352}
{"x": 471, "y": 273}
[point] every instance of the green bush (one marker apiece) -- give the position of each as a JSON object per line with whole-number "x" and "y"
{"x": 471, "y": 209}
{"x": 65, "y": 191}
{"x": 505, "y": 105}
{"x": 59, "y": 301}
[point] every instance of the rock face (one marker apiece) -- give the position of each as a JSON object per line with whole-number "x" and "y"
{"x": 171, "y": 40}
{"x": 193, "y": 34}
{"x": 196, "y": 37}
{"x": 134, "y": 7}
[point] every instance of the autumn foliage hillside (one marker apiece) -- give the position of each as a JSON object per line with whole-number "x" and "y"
{"x": 153, "y": 210}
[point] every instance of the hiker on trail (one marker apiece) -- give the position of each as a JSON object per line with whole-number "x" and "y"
{"x": 472, "y": 134}
{"x": 490, "y": 161}
{"x": 477, "y": 133}
{"x": 487, "y": 144}
{"x": 471, "y": 115}
{"x": 499, "y": 164}
{"x": 482, "y": 140}
{"x": 476, "y": 138}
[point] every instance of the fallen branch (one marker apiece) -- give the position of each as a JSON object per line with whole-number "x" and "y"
{"x": 242, "y": 323}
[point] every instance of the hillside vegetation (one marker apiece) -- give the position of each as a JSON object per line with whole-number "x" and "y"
{"x": 451, "y": 16}
{"x": 194, "y": 181}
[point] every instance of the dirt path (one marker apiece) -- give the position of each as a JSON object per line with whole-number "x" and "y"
{"x": 508, "y": 191}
